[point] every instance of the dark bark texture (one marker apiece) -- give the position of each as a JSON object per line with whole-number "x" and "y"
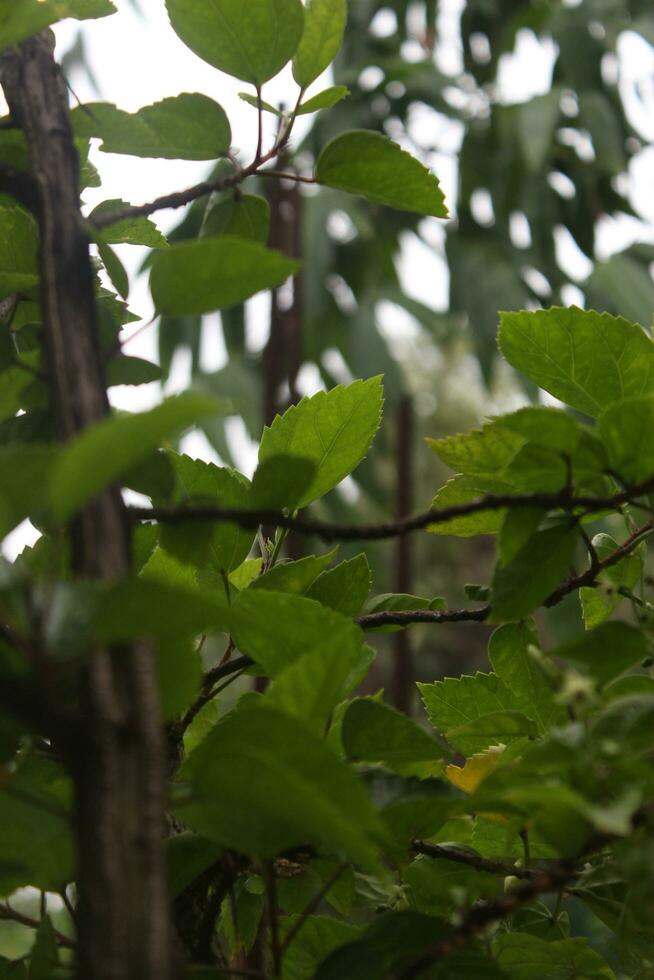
{"x": 118, "y": 765}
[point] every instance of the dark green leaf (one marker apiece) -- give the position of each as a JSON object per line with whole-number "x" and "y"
{"x": 246, "y": 216}
{"x": 345, "y": 587}
{"x": 539, "y": 567}
{"x": 374, "y": 732}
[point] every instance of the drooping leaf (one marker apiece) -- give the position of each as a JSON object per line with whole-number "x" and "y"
{"x": 540, "y": 566}
{"x": 627, "y": 433}
{"x": 369, "y": 164}
{"x": 511, "y": 660}
{"x": 105, "y": 451}
{"x": 261, "y": 783}
{"x": 374, "y": 732}
{"x": 246, "y": 216}
{"x": 190, "y": 126}
{"x": 589, "y": 360}
{"x": 131, "y": 231}
{"x": 214, "y": 273}
{"x": 20, "y": 20}
{"x": 251, "y": 41}
{"x": 324, "y": 24}
{"x": 332, "y": 429}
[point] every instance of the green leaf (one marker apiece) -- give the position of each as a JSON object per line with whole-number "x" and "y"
{"x": 374, "y": 732}
{"x": 345, "y": 587}
{"x": 246, "y": 216}
{"x": 107, "y": 450}
{"x": 310, "y": 688}
{"x": 332, "y": 429}
{"x": 251, "y": 41}
{"x": 606, "y": 651}
{"x": 482, "y": 453}
{"x": 496, "y": 727}
{"x": 131, "y": 371}
{"x": 281, "y": 481}
{"x": 131, "y": 231}
{"x": 537, "y": 121}
{"x": 188, "y": 855}
{"x": 189, "y": 126}
{"x": 25, "y": 472}
{"x": 276, "y": 628}
{"x": 324, "y": 100}
{"x": 214, "y": 273}
{"x": 19, "y": 21}
{"x": 586, "y": 359}
{"x": 627, "y": 434}
{"x": 324, "y": 24}
{"x": 294, "y": 576}
{"x": 525, "y": 957}
{"x": 19, "y": 267}
{"x": 261, "y": 783}
{"x": 317, "y": 938}
{"x": 538, "y": 568}
{"x": 221, "y": 544}
{"x": 113, "y": 266}
{"x": 462, "y": 490}
{"x": 44, "y": 957}
{"x": 455, "y": 703}
{"x": 599, "y": 602}
{"x": 257, "y": 103}
{"x": 508, "y": 651}
{"x": 179, "y": 671}
{"x": 367, "y": 163}
{"x": 393, "y": 601}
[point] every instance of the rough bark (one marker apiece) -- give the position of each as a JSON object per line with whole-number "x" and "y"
{"x": 118, "y": 768}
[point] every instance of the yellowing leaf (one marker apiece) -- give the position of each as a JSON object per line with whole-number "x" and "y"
{"x": 476, "y": 769}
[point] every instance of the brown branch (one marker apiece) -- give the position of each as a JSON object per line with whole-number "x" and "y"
{"x": 407, "y": 617}
{"x": 251, "y": 519}
{"x": 461, "y": 855}
{"x": 8, "y": 914}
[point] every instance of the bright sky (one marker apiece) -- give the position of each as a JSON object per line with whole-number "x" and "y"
{"x": 137, "y": 59}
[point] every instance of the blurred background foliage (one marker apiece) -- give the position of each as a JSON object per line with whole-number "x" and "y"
{"x": 543, "y": 194}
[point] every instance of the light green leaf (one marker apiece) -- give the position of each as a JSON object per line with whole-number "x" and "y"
{"x": 213, "y": 274}
{"x": 525, "y": 957}
{"x": 222, "y": 545}
{"x": 627, "y": 432}
{"x": 511, "y": 660}
{"x": 294, "y": 576}
{"x": 543, "y": 426}
{"x": 324, "y": 24}
{"x": 19, "y": 267}
{"x": 324, "y": 100}
{"x": 374, "y": 732}
{"x": 23, "y": 488}
{"x": 131, "y": 231}
{"x": 19, "y": 21}
{"x": 107, "y": 450}
{"x": 462, "y": 490}
{"x": 179, "y": 671}
{"x": 189, "y": 126}
{"x": 605, "y": 652}
{"x": 538, "y": 568}
{"x": 482, "y": 453}
{"x": 246, "y": 216}
{"x": 281, "y": 481}
{"x": 367, "y": 163}
{"x": 252, "y": 41}
{"x": 123, "y": 370}
{"x": 332, "y": 429}
{"x": 345, "y": 587}
{"x": 261, "y": 783}
{"x": 586, "y": 359}
{"x": 257, "y": 103}
{"x": 455, "y": 703}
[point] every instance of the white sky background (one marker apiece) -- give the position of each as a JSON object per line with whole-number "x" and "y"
{"x": 138, "y": 59}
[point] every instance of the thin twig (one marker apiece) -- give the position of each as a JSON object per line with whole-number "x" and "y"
{"x": 252, "y": 519}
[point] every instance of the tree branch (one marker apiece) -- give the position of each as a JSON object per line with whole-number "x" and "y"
{"x": 461, "y": 855}
{"x": 11, "y": 915}
{"x": 251, "y": 519}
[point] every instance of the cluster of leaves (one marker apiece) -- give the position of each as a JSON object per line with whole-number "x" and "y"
{"x": 355, "y": 841}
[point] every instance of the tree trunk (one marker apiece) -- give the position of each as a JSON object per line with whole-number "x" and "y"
{"x": 118, "y": 766}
